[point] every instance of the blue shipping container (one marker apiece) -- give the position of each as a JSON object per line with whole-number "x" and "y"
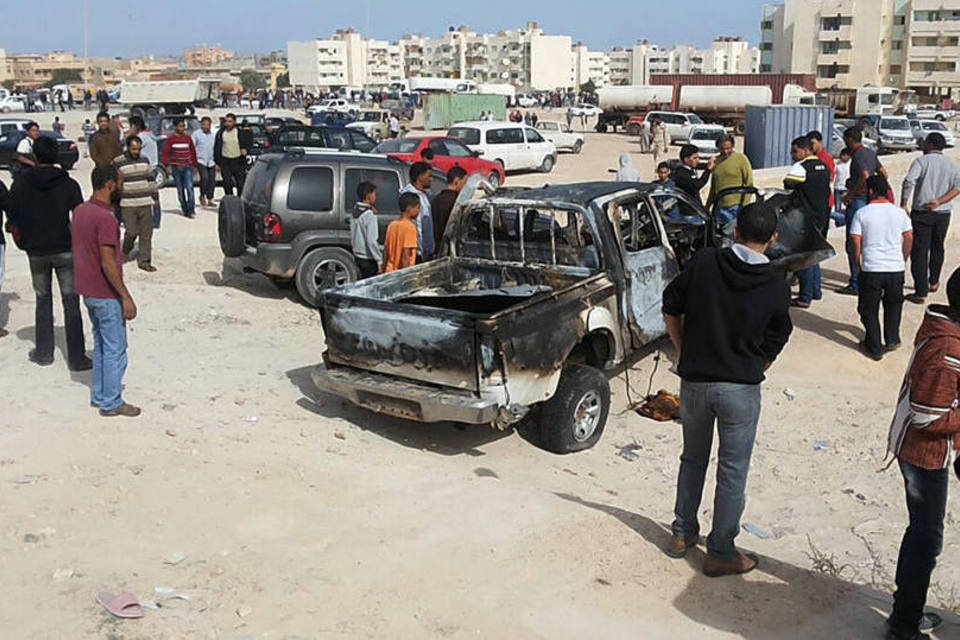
{"x": 770, "y": 130}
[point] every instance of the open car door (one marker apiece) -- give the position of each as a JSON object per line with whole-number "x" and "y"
{"x": 799, "y": 243}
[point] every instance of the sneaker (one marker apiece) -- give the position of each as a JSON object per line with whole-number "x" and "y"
{"x": 678, "y": 545}
{"x": 915, "y": 299}
{"x": 848, "y": 290}
{"x": 126, "y": 410}
{"x": 43, "y": 362}
{"x": 741, "y": 563}
{"x": 84, "y": 364}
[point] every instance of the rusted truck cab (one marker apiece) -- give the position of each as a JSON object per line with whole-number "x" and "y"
{"x": 540, "y": 293}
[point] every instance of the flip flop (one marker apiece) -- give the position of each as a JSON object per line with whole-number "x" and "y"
{"x": 122, "y": 605}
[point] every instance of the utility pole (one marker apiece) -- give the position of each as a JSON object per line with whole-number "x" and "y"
{"x": 86, "y": 38}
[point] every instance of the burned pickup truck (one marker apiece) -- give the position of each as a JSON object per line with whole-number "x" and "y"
{"x": 539, "y": 296}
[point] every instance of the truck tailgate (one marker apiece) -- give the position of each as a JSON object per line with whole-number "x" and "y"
{"x": 422, "y": 344}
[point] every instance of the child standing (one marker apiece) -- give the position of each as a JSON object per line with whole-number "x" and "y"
{"x": 840, "y": 187}
{"x": 88, "y": 130}
{"x": 400, "y": 249}
{"x": 364, "y": 231}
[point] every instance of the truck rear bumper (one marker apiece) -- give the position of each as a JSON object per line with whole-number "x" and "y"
{"x": 403, "y": 398}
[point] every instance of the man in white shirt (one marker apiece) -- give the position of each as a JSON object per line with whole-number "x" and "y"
{"x": 148, "y": 147}
{"x": 394, "y": 126}
{"x": 882, "y": 237}
{"x": 203, "y": 140}
{"x": 25, "y": 157}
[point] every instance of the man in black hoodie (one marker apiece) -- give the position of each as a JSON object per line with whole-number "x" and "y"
{"x": 39, "y": 205}
{"x": 728, "y": 316}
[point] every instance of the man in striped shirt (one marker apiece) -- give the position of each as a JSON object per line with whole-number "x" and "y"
{"x": 180, "y": 157}
{"x": 138, "y": 195}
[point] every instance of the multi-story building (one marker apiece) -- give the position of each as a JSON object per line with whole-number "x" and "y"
{"x": 347, "y": 59}
{"x": 6, "y": 67}
{"x": 911, "y": 44}
{"x": 727, "y": 55}
{"x": 203, "y": 55}
{"x": 590, "y": 66}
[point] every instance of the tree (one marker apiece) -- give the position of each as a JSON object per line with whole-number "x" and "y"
{"x": 283, "y": 80}
{"x": 252, "y": 81}
{"x": 64, "y": 76}
{"x": 588, "y": 87}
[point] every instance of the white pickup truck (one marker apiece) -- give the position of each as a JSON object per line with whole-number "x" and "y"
{"x": 560, "y": 135}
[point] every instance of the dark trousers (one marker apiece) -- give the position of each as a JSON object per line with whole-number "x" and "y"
{"x": 233, "y": 171}
{"x": 926, "y": 259}
{"x": 41, "y": 272}
{"x": 877, "y": 287}
{"x": 852, "y": 207}
{"x": 207, "y": 181}
{"x": 367, "y": 268}
{"x": 922, "y": 542}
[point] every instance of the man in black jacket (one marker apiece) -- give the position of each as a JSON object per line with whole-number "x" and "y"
{"x": 809, "y": 179}
{"x": 230, "y": 149}
{"x": 39, "y": 205}
{"x": 685, "y": 176}
{"x": 728, "y": 317}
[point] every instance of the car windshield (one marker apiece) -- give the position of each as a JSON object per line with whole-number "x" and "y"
{"x": 398, "y": 146}
{"x": 894, "y": 124}
{"x": 695, "y": 119}
{"x": 466, "y": 135}
{"x": 370, "y": 116}
{"x": 258, "y": 186}
{"x": 707, "y": 134}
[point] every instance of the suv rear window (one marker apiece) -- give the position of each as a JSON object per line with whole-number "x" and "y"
{"x": 512, "y": 135}
{"x": 258, "y": 187}
{"x": 466, "y": 135}
{"x": 388, "y": 189}
{"x": 311, "y": 189}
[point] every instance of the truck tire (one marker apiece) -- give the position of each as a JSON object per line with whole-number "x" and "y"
{"x": 633, "y": 129}
{"x": 231, "y": 226}
{"x": 574, "y": 418}
{"x": 547, "y": 165}
{"x": 578, "y": 146}
{"x": 601, "y": 127}
{"x": 324, "y": 268}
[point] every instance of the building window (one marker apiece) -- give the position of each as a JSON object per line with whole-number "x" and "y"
{"x": 766, "y": 25}
{"x": 832, "y": 70}
{"x": 936, "y": 16}
{"x": 896, "y": 69}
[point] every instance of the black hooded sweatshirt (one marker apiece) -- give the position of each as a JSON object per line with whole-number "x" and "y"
{"x": 39, "y": 204}
{"x": 736, "y": 317}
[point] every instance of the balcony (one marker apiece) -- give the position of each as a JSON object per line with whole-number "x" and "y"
{"x": 845, "y": 32}
{"x": 842, "y": 57}
{"x": 934, "y": 53}
{"x": 933, "y": 78}
{"x": 930, "y": 28}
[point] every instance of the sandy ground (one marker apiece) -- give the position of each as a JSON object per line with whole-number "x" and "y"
{"x": 281, "y": 513}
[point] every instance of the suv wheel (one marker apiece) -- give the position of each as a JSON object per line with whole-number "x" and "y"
{"x": 231, "y": 226}
{"x": 574, "y": 418}
{"x": 547, "y": 165}
{"x": 324, "y": 268}
{"x": 160, "y": 177}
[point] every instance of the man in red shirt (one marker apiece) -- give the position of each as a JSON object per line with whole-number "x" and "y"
{"x": 816, "y": 139}
{"x": 98, "y": 272}
{"x": 179, "y": 156}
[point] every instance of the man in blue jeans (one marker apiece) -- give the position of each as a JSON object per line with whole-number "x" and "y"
{"x": 98, "y": 263}
{"x": 180, "y": 157}
{"x": 728, "y": 317}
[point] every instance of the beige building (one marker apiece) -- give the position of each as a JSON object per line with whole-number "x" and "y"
{"x": 206, "y": 56}
{"x": 590, "y": 66}
{"x": 347, "y": 59}
{"x": 911, "y": 44}
{"x": 6, "y": 67}
{"x": 726, "y": 55}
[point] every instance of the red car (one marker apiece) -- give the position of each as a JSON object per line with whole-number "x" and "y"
{"x": 447, "y": 153}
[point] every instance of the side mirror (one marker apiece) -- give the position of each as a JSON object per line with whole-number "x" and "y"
{"x": 478, "y": 153}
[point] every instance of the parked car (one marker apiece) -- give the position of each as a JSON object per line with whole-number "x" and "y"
{"x": 275, "y": 122}
{"x": 560, "y": 135}
{"x": 678, "y": 124}
{"x": 14, "y": 124}
{"x": 292, "y": 220}
{"x": 895, "y": 134}
{"x": 706, "y": 138}
{"x": 447, "y": 152}
{"x": 261, "y": 138}
{"x": 515, "y": 146}
{"x": 308, "y": 137}
{"x": 837, "y": 144}
{"x": 539, "y": 297}
{"x": 526, "y": 101}
{"x": 922, "y": 128}
{"x": 373, "y": 122}
{"x": 927, "y": 112}
{"x": 585, "y": 109}
{"x": 67, "y": 152}
{"x": 332, "y": 104}
{"x": 12, "y": 103}
{"x": 332, "y": 118}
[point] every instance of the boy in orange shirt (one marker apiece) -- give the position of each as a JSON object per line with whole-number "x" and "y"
{"x": 400, "y": 248}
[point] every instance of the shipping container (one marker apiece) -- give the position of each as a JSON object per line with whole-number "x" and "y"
{"x": 443, "y": 110}
{"x": 776, "y": 81}
{"x": 770, "y": 130}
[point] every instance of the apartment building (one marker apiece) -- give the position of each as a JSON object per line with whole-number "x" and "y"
{"x": 726, "y": 55}
{"x": 346, "y": 59}
{"x": 6, "y": 67}
{"x": 913, "y": 44}
{"x": 527, "y": 57}
{"x": 590, "y": 66}
{"x": 203, "y": 55}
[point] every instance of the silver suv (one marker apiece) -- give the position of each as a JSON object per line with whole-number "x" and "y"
{"x": 293, "y": 220}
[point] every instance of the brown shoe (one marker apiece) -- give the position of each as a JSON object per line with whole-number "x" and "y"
{"x": 678, "y": 546}
{"x": 147, "y": 267}
{"x": 125, "y": 410}
{"x": 741, "y": 563}
{"x": 934, "y": 287}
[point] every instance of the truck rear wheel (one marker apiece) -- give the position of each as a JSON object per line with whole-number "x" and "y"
{"x": 231, "y": 226}
{"x": 322, "y": 269}
{"x": 574, "y": 418}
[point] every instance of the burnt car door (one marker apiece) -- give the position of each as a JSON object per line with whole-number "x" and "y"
{"x": 649, "y": 264}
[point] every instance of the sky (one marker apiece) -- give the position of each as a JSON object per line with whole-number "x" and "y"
{"x": 130, "y": 29}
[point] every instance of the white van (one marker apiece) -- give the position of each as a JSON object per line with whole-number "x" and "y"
{"x": 513, "y": 145}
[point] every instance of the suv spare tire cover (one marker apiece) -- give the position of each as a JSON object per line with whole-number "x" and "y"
{"x": 231, "y": 226}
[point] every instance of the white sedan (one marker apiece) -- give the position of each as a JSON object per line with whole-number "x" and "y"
{"x": 12, "y": 103}
{"x": 584, "y": 109}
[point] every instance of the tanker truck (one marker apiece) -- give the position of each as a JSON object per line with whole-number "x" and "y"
{"x": 722, "y": 105}
{"x": 623, "y": 106}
